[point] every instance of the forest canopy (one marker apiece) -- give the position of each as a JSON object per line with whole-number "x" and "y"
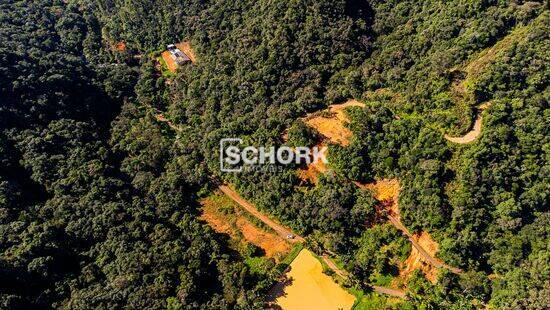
{"x": 99, "y": 200}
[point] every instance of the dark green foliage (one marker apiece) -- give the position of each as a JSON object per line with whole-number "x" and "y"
{"x": 93, "y": 216}
{"x": 98, "y": 198}
{"x": 379, "y": 251}
{"x": 300, "y": 134}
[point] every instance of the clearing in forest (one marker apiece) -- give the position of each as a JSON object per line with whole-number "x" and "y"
{"x": 225, "y": 217}
{"x": 386, "y": 190}
{"x": 185, "y": 47}
{"x": 169, "y": 61}
{"x": 311, "y": 171}
{"x": 253, "y": 211}
{"x": 423, "y": 247}
{"x": 417, "y": 261}
{"x": 171, "y": 64}
{"x": 331, "y": 123}
{"x": 307, "y": 287}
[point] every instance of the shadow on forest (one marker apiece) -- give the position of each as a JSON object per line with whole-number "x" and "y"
{"x": 278, "y": 290}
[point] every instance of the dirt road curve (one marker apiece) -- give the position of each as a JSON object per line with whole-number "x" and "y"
{"x": 476, "y": 130}
{"x": 471, "y": 135}
{"x": 281, "y": 230}
{"x": 376, "y": 288}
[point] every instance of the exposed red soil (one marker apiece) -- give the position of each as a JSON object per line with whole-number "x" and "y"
{"x": 120, "y": 46}
{"x": 186, "y": 48}
{"x": 273, "y": 245}
{"x": 280, "y": 229}
{"x": 312, "y": 171}
{"x": 386, "y": 191}
{"x": 331, "y": 123}
{"x": 170, "y": 62}
{"x": 423, "y": 249}
{"x": 417, "y": 261}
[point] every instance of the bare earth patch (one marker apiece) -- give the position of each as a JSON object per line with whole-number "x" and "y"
{"x": 307, "y": 287}
{"x": 119, "y": 46}
{"x": 282, "y": 231}
{"x": 185, "y": 47}
{"x": 273, "y": 245}
{"x": 332, "y": 123}
{"x": 387, "y": 192}
{"x": 311, "y": 172}
{"x": 170, "y": 62}
{"x": 270, "y": 243}
{"x": 423, "y": 248}
{"x": 417, "y": 261}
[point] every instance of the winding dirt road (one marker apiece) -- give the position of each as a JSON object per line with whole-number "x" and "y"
{"x": 284, "y": 232}
{"x": 476, "y": 130}
{"x": 473, "y": 69}
{"x": 394, "y": 218}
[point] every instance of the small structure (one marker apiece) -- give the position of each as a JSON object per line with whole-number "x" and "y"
{"x": 179, "y": 57}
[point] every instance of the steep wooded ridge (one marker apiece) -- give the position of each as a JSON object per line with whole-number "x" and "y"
{"x": 99, "y": 196}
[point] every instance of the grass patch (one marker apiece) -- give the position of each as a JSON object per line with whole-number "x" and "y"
{"x": 259, "y": 265}
{"x": 283, "y": 265}
{"x": 375, "y": 301}
{"x": 382, "y": 280}
{"x": 164, "y": 68}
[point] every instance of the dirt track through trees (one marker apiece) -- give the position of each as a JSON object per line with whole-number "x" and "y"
{"x": 230, "y": 223}
{"x": 476, "y": 130}
{"x": 284, "y": 232}
{"x": 379, "y": 289}
{"x": 281, "y": 230}
{"x": 473, "y": 69}
{"x": 429, "y": 259}
{"x": 394, "y": 217}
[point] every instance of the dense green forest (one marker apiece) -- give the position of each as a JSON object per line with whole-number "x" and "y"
{"x": 99, "y": 200}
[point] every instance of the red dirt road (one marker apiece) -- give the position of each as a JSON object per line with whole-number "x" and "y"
{"x": 429, "y": 259}
{"x": 281, "y": 230}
